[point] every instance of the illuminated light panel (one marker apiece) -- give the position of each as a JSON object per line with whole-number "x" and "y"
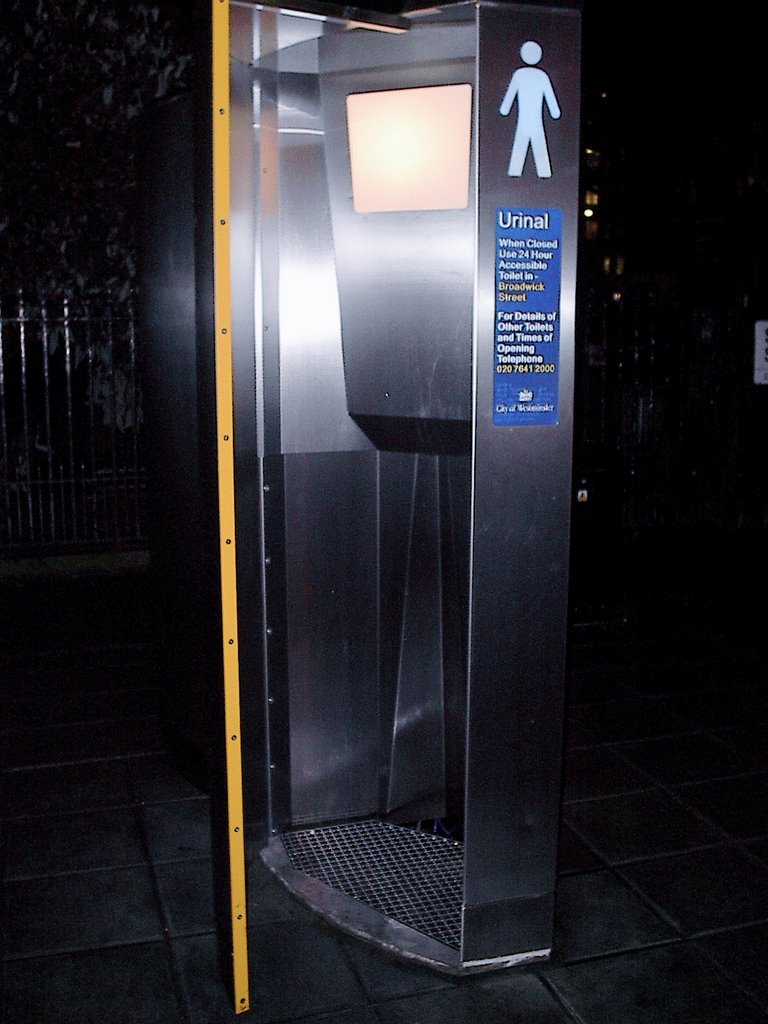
{"x": 409, "y": 148}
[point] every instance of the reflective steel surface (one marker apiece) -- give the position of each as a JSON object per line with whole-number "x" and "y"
{"x": 405, "y": 278}
{"x": 407, "y": 557}
{"x": 521, "y": 504}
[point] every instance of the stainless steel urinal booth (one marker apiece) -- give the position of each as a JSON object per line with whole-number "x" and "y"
{"x": 402, "y": 330}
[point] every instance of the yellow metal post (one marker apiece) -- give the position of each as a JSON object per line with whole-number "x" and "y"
{"x": 226, "y": 485}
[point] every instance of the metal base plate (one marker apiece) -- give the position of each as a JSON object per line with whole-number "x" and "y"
{"x": 411, "y": 876}
{"x": 398, "y": 887}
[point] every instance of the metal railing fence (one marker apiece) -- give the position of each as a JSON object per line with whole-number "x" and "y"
{"x": 71, "y": 468}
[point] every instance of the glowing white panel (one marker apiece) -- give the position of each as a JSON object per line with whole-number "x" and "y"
{"x": 409, "y": 148}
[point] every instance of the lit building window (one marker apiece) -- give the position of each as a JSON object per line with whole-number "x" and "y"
{"x": 614, "y": 264}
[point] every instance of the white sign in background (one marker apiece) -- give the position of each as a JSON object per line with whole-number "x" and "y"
{"x": 761, "y": 352}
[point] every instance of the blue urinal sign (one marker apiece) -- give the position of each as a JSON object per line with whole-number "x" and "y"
{"x": 527, "y": 322}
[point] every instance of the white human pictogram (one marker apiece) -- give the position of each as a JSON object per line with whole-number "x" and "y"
{"x": 532, "y": 88}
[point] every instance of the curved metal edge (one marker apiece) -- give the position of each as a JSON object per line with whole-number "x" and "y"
{"x": 361, "y": 921}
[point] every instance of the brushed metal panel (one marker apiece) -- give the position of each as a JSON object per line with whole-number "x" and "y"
{"x": 248, "y": 492}
{"x": 405, "y": 279}
{"x": 455, "y": 478}
{"x": 300, "y": 347}
{"x": 313, "y": 407}
{"x": 332, "y": 656}
{"x": 420, "y": 607}
{"x": 523, "y": 926}
{"x": 268, "y": 252}
{"x": 411, "y": 616}
{"x": 521, "y": 503}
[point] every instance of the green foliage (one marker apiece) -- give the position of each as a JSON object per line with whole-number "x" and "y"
{"x": 74, "y": 79}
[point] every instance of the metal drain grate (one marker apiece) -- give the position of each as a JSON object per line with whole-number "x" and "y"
{"x": 410, "y": 876}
